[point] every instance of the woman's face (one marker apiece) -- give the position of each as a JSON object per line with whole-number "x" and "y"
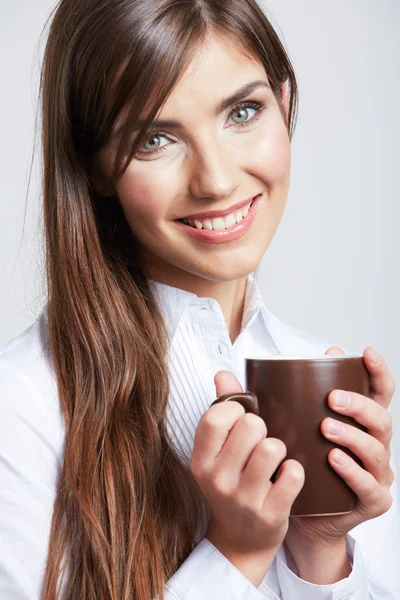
{"x": 213, "y": 161}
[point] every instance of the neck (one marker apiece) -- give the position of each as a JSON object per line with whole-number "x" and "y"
{"x": 229, "y": 294}
{"x": 231, "y": 297}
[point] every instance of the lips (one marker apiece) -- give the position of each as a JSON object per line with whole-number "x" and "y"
{"x": 214, "y": 214}
{"x": 222, "y": 236}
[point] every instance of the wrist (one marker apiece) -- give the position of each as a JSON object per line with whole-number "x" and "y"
{"x": 319, "y": 563}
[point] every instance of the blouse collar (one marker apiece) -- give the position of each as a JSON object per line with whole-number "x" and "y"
{"x": 174, "y": 303}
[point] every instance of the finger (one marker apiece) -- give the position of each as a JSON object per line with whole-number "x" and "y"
{"x": 255, "y": 479}
{"x": 246, "y": 433}
{"x": 371, "y": 452}
{"x": 226, "y": 383}
{"x": 334, "y": 350}
{"x": 365, "y": 411}
{"x": 216, "y": 423}
{"x": 373, "y": 499}
{"x": 212, "y": 430}
{"x": 382, "y": 385}
{"x": 287, "y": 485}
{"x": 382, "y": 382}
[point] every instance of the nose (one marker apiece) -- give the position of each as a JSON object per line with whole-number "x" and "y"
{"x": 215, "y": 173}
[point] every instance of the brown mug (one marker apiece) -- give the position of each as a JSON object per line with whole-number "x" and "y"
{"x": 290, "y": 393}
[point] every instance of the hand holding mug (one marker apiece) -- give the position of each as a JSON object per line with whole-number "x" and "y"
{"x": 232, "y": 462}
{"x": 370, "y": 482}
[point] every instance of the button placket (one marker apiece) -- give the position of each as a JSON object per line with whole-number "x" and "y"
{"x": 216, "y": 333}
{"x": 223, "y": 348}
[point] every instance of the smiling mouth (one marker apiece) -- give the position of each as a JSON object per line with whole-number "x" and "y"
{"x": 220, "y": 223}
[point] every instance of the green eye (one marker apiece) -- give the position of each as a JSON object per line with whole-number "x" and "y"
{"x": 243, "y": 113}
{"x": 153, "y": 145}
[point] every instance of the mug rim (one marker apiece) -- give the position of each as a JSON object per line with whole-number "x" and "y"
{"x": 305, "y": 357}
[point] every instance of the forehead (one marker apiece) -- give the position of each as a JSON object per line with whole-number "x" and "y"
{"x": 218, "y": 68}
{"x": 216, "y": 78}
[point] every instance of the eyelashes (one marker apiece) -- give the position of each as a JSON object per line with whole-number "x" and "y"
{"x": 257, "y": 106}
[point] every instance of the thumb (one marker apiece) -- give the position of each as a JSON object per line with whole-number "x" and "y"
{"x": 227, "y": 383}
{"x": 334, "y": 350}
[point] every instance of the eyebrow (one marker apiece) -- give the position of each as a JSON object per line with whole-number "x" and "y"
{"x": 241, "y": 93}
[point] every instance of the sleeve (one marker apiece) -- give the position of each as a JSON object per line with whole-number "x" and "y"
{"x": 373, "y": 551}
{"x": 359, "y": 585}
{"x": 207, "y": 573}
{"x": 27, "y": 463}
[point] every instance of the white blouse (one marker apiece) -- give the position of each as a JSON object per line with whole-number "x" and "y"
{"x": 32, "y": 438}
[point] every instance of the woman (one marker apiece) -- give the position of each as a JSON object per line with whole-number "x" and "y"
{"x": 166, "y": 139}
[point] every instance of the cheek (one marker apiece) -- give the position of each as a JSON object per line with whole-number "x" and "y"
{"x": 271, "y": 156}
{"x": 143, "y": 196}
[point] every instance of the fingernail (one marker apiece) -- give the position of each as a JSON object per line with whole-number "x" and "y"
{"x": 335, "y": 427}
{"x": 375, "y": 357}
{"x": 340, "y": 458}
{"x": 341, "y": 398}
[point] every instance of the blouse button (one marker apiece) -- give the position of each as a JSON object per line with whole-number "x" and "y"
{"x": 220, "y": 349}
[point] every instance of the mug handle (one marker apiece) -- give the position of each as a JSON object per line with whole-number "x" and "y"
{"x": 247, "y": 399}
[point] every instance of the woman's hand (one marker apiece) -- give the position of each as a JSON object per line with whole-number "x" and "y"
{"x": 232, "y": 462}
{"x": 371, "y": 483}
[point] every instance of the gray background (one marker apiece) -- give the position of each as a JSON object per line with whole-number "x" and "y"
{"x": 332, "y": 268}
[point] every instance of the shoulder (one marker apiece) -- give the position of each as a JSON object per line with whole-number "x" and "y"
{"x": 28, "y": 356}
{"x": 291, "y": 340}
{"x": 29, "y": 402}
{"x": 31, "y": 456}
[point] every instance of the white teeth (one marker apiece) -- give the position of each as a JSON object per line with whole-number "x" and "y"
{"x": 230, "y": 220}
{"x": 220, "y": 223}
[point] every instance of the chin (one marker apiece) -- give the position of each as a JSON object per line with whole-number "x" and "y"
{"x": 230, "y": 271}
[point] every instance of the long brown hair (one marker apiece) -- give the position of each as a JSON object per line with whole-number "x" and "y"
{"x": 127, "y": 511}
